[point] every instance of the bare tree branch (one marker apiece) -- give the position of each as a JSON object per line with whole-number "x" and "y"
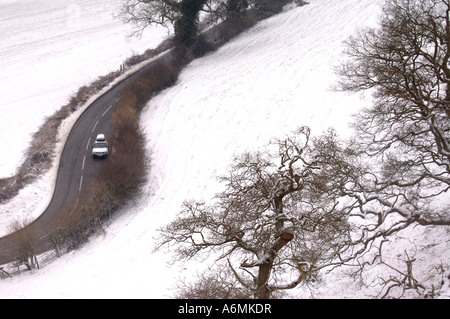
{"x": 270, "y": 213}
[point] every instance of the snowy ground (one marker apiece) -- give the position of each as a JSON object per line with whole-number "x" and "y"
{"x": 264, "y": 84}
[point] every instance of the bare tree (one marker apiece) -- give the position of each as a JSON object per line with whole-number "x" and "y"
{"x": 324, "y": 204}
{"x": 145, "y": 13}
{"x": 402, "y": 141}
{"x": 169, "y": 13}
{"x": 281, "y": 221}
{"x": 405, "y": 63}
{"x": 24, "y": 253}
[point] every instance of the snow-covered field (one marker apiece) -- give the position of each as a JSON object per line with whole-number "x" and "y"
{"x": 263, "y": 84}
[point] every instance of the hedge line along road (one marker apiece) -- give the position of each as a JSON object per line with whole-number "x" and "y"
{"x": 77, "y": 167}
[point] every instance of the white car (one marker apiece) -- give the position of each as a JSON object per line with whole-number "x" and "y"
{"x": 100, "y": 147}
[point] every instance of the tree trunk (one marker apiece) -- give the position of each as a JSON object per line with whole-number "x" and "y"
{"x": 263, "y": 291}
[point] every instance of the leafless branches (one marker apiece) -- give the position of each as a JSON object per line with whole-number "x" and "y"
{"x": 276, "y": 219}
{"x": 145, "y": 13}
{"x": 310, "y": 203}
{"x": 405, "y": 63}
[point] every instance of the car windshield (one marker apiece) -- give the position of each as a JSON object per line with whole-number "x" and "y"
{"x": 100, "y": 145}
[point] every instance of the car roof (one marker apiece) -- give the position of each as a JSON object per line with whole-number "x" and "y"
{"x": 100, "y": 137}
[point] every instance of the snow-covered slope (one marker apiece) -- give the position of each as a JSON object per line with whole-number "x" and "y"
{"x": 263, "y": 84}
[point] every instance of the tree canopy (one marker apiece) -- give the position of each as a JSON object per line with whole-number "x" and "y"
{"x": 405, "y": 64}
{"x": 180, "y": 16}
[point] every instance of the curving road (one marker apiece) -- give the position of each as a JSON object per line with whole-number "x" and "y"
{"x": 77, "y": 167}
